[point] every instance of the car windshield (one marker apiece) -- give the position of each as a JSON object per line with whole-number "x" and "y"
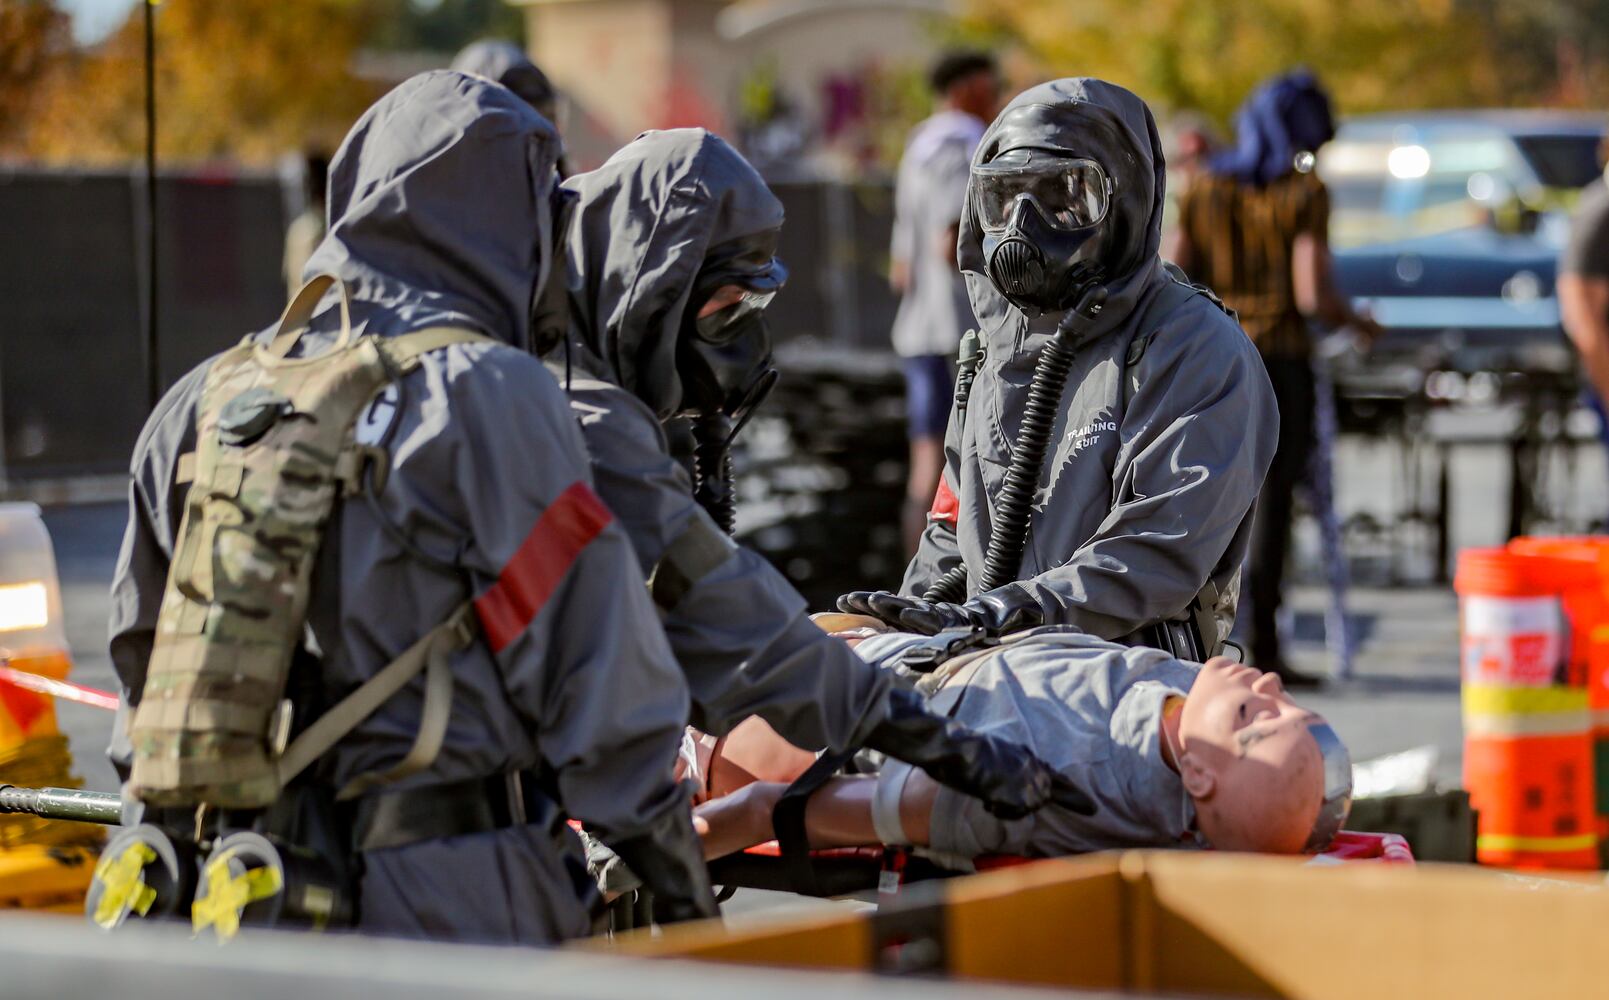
{"x": 1562, "y": 161}
{"x": 1394, "y": 182}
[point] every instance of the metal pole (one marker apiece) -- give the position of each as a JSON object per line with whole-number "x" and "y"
{"x": 153, "y": 383}
{"x": 63, "y": 803}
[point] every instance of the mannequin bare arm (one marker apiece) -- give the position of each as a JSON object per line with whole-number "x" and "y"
{"x": 839, "y": 814}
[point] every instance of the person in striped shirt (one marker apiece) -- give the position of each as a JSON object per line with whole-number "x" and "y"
{"x": 1254, "y": 228}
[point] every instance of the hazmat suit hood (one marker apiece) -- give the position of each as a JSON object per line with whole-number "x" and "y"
{"x": 665, "y": 208}
{"x": 508, "y": 64}
{"x": 1091, "y": 119}
{"x": 441, "y": 209}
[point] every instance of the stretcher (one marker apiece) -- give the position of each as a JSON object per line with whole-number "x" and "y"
{"x": 847, "y": 871}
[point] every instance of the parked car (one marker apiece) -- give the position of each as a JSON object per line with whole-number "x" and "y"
{"x": 1447, "y": 225}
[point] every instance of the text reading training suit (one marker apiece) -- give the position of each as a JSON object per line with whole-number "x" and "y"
{"x": 441, "y": 209}
{"x": 1167, "y": 422}
{"x": 647, "y": 229}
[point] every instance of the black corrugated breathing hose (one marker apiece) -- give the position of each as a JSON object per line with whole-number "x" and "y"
{"x": 1013, "y": 508}
{"x": 713, "y": 487}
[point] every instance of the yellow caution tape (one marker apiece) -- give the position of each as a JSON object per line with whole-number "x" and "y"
{"x": 229, "y": 895}
{"x": 1504, "y": 842}
{"x": 123, "y": 888}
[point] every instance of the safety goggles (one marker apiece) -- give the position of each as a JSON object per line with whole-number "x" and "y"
{"x": 724, "y": 322}
{"x": 1337, "y": 788}
{"x": 1069, "y": 193}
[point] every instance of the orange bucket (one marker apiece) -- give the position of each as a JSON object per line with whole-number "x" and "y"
{"x": 1511, "y": 617}
{"x": 1528, "y": 770}
{"x": 1588, "y": 611}
{"x": 1579, "y": 568}
{"x": 1525, "y": 648}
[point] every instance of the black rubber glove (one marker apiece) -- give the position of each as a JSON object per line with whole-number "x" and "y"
{"x": 669, "y": 859}
{"x": 1006, "y": 609}
{"x": 1009, "y": 780}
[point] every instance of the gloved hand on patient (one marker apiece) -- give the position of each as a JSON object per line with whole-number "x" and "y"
{"x": 1006, "y": 609}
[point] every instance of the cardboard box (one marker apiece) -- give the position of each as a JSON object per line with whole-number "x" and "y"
{"x": 1172, "y": 922}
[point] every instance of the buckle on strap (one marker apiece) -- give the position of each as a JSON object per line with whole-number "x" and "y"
{"x": 946, "y": 646}
{"x": 462, "y": 627}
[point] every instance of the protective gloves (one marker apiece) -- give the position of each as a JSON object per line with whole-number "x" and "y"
{"x": 1010, "y": 781}
{"x": 669, "y": 859}
{"x": 1005, "y": 609}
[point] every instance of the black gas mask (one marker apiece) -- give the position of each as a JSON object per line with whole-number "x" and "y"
{"x": 1042, "y": 215}
{"x": 724, "y": 360}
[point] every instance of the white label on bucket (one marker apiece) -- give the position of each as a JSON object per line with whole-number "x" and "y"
{"x": 1513, "y": 640}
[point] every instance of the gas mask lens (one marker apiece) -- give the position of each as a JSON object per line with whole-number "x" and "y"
{"x": 1068, "y": 193}
{"x": 724, "y": 311}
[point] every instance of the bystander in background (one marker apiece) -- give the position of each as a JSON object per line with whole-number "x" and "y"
{"x": 933, "y": 312}
{"x": 501, "y": 60}
{"x": 1255, "y": 227}
{"x": 306, "y": 231}
{"x": 1584, "y": 292}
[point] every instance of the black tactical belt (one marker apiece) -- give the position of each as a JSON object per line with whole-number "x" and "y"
{"x": 385, "y": 819}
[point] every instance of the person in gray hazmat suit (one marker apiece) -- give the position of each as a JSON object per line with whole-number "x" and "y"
{"x": 501, "y": 60}
{"x": 568, "y": 701}
{"x": 1105, "y": 451}
{"x": 670, "y": 249}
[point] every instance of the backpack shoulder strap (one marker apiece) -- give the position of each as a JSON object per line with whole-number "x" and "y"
{"x": 404, "y": 351}
{"x": 431, "y": 654}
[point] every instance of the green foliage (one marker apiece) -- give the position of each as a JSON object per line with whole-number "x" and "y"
{"x": 1373, "y": 54}
{"x": 444, "y": 26}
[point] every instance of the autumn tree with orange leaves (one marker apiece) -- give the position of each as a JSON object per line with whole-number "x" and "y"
{"x": 246, "y": 80}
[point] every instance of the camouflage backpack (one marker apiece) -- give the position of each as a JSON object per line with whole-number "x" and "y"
{"x": 275, "y": 449}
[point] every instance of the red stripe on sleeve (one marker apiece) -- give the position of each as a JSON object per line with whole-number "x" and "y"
{"x": 945, "y": 506}
{"x": 534, "y": 571}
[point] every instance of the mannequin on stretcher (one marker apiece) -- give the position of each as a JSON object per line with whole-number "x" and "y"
{"x": 1174, "y": 754}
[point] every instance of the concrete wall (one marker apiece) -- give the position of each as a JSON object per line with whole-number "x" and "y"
{"x": 630, "y": 65}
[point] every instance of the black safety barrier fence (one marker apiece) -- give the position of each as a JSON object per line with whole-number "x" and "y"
{"x": 72, "y": 398}
{"x": 72, "y": 284}
{"x": 72, "y": 276}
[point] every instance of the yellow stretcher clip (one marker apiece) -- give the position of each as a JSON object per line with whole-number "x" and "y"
{"x": 228, "y": 895}
{"x": 123, "y": 885}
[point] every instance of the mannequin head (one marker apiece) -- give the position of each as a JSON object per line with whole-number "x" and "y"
{"x": 1251, "y": 760}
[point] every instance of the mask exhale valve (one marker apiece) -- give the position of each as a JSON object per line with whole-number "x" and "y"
{"x": 1014, "y": 507}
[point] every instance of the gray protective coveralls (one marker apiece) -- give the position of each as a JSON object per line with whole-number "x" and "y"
{"x": 1167, "y": 423}
{"x": 441, "y": 204}
{"x": 642, "y": 225}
